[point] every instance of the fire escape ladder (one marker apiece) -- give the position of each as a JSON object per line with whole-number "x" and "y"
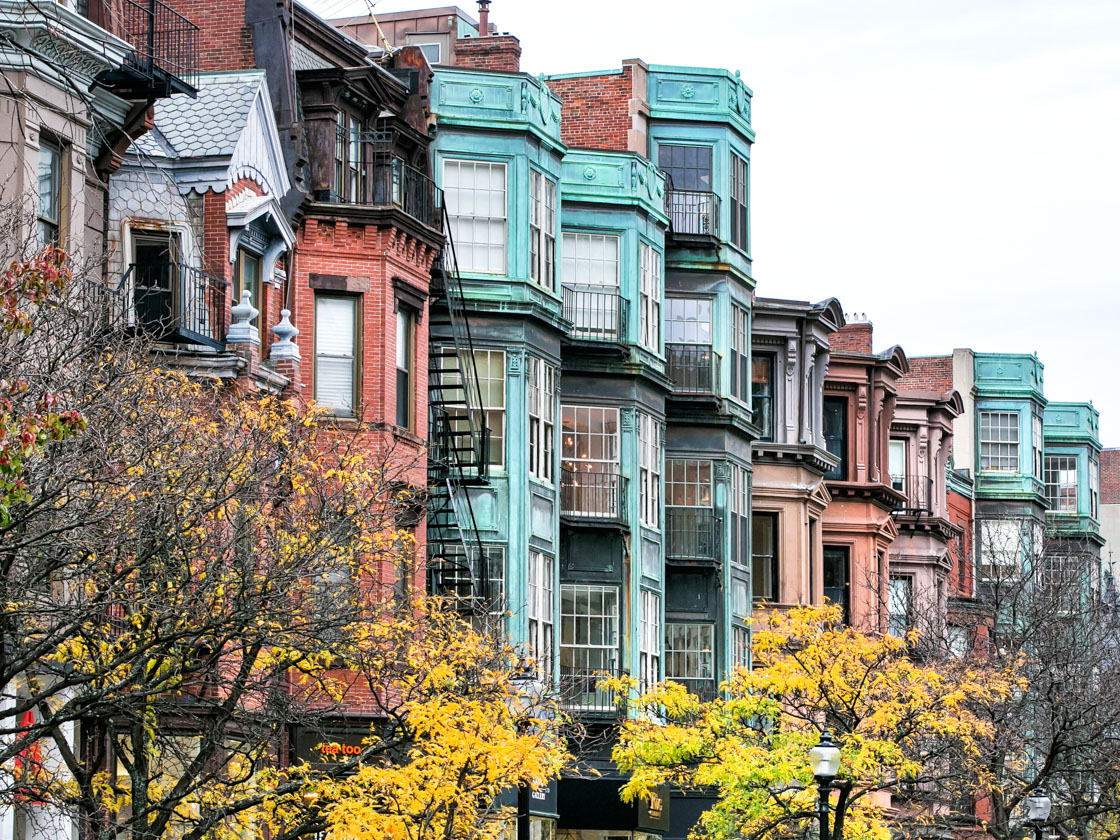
{"x": 458, "y": 451}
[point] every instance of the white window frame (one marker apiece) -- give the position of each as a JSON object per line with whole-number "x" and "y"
{"x": 542, "y": 230}
{"x": 649, "y": 470}
{"x": 649, "y": 335}
{"x": 542, "y": 420}
{"x": 740, "y": 508}
{"x": 1061, "y": 491}
{"x": 322, "y": 334}
{"x": 600, "y": 272}
{"x": 1094, "y": 487}
{"x": 685, "y": 655}
{"x": 1038, "y": 446}
{"x": 494, "y": 259}
{"x": 596, "y": 500}
{"x": 649, "y": 638}
{"x": 688, "y": 475}
{"x": 541, "y": 611}
{"x": 493, "y": 411}
{"x": 690, "y": 316}
{"x": 1001, "y": 549}
{"x": 900, "y": 604}
{"x": 741, "y": 349}
{"x": 896, "y": 462}
{"x": 740, "y": 647}
{"x": 599, "y": 650}
{"x": 999, "y": 441}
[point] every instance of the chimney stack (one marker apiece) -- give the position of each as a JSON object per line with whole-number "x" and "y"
{"x": 483, "y": 18}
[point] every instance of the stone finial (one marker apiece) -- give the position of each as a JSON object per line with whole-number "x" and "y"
{"x": 284, "y": 347}
{"x": 242, "y": 329}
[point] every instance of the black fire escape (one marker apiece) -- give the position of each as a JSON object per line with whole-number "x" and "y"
{"x": 165, "y": 48}
{"x": 459, "y": 450}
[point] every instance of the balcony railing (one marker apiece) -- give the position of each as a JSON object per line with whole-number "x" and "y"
{"x": 693, "y": 534}
{"x": 693, "y": 213}
{"x": 596, "y": 496}
{"x": 596, "y": 314}
{"x": 704, "y": 690}
{"x": 164, "y": 58}
{"x": 175, "y": 302}
{"x": 694, "y": 368}
{"x": 580, "y": 692}
{"x": 918, "y": 490}
{"x": 381, "y": 180}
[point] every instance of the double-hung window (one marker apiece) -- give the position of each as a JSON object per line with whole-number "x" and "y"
{"x": 900, "y": 599}
{"x": 475, "y": 192}
{"x": 649, "y": 638}
{"x": 1037, "y": 446}
{"x": 540, "y": 609}
{"x": 740, "y": 491}
{"x": 542, "y": 230}
{"x": 336, "y": 353}
{"x": 649, "y": 467}
{"x": 692, "y": 531}
{"x": 740, "y": 647}
{"x": 688, "y": 344}
{"x": 542, "y": 418}
{"x": 247, "y": 278}
{"x": 740, "y": 352}
{"x": 406, "y": 354}
{"x": 762, "y": 394}
{"x": 591, "y": 284}
{"x": 650, "y": 302}
{"x": 689, "y": 651}
{"x": 740, "y": 187}
{"x": 691, "y": 203}
{"x": 999, "y": 441}
{"x": 1061, "y": 483}
{"x": 1094, "y": 487}
{"x": 588, "y": 628}
{"x": 836, "y": 435}
{"x": 589, "y": 449}
{"x": 896, "y": 464}
{"x": 1002, "y": 544}
{"x": 49, "y": 176}
{"x": 689, "y": 482}
{"x": 764, "y": 557}
{"x": 354, "y": 179}
{"x": 491, "y": 368}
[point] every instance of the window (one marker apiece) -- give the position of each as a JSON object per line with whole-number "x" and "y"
{"x": 764, "y": 557}
{"x": 405, "y": 361}
{"x": 50, "y": 191}
{"x": 1036, "y": 445}
{"x": 340, "y": 155}
{"x": 1061, "y": 483}
{"x": 589, "y": 627}
{"x": 836, "y": 435}
{"x": 590, "y": 460}
{"x": 688, "y": 482}
{"x": 542, "y": 419}
{"x": 999, "y": 441}
{"x": 1094, "y": 486}
{"x": 431, "y": 52}
{"x": 540, "y": 609}
{"x": 155, "y": 258}
{"x": 336, "y": 369}
{"x": 649, "y": 638}
{"x": 649, "y": 469}
{"x": 900, "y": 598}
{"x": 688, "y": 321}
{"x": 542, "y": 230}
{"x": 762, "y": 395}
{"x": 740, "y": 647}
{"x": 491, "y": 367}
{"x": 591, "y": 299}
{"x": 688, "y": 167}
{"x": 740, "y": 352}
{"x": 1001, "y": 549}
{"x": 740, "y": 599}
{"x": 740, "y": 221}
{"x": 475, "y": 192}
{"x": 836, "y": 578}
{"x": 650, "y": 293}
{"x": 740, "y": 491}
{"x": 896, "y": 464}
{"x": 957, "y": 639}
{"x": 689, "y": 651}
{"x": 692, "y": 365}
{"x": 248, "y": 278}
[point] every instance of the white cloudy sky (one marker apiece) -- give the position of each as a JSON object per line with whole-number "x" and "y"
{"x": 949, "y": 167}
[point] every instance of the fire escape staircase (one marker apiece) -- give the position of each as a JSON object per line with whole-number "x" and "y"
{"x": 458, "y": 453}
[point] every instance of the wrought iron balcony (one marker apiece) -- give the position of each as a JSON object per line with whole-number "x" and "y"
{"x": 164, "y": 58}
{"x": 175, "y": 302}
{"x": 580, "y": 692}
{"x": 693, "y": 213}
{"x": 593, "y": 496}
{"x": 918, "y": 490}
{"x": 692, "y": 534}
{"x": 381, "y": 180}
{"x": 704, "y": 690}
{"x": 597, "y": 314}
{"x": 694, "y": 368}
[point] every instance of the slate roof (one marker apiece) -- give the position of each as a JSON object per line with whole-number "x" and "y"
{"x": 209, "y": 125}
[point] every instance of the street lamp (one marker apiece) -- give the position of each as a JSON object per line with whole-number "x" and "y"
{"x": 1038, "y": 810}
{"x": 825, "y": 760}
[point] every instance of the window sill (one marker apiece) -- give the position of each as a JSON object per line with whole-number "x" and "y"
{"x": 401, "y": 433}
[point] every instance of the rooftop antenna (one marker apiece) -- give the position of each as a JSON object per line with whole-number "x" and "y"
{"x": 380, "y": 32}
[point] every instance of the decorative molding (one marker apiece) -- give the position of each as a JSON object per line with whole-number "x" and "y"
{"x": 515, "y": 362}
{"x": 628, "y": 418}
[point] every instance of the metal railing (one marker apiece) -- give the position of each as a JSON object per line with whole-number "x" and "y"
{"x": 165, "y": 46}
{"x": 580, "y": 692}
{"x": 704, "y": 690}
{"x": 692, "y": 533}
{"x": 176, "y": 302}
{"x": 694, "y": 368}
{"x": 693, "y": 212}
{"x": 597, "y": 496}
{"x": 918, "y": 490}
{"x": 381, "y": 180}
{"x": 596, "y": 314}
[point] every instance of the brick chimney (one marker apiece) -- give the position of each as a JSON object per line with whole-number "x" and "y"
{"x": 853, "y": 337}
{"x": 488, "y": 52}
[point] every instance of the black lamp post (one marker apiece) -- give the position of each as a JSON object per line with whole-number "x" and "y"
{"x": 825, "y": 760}
{"x": 1038, "y": 810}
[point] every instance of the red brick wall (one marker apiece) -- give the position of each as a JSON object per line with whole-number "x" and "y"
{"x": 224, "y": 41}
{"x": 853, "y": 338}
{"x": 928, "y": 373}
{"x": 962, "y": 572}
{"x": 494, "y": 52}
{"x": 1110, "y": 477}
{"x": 596, "y": 109}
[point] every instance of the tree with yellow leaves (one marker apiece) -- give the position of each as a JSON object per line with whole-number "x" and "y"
{"x": 903, "y": 727}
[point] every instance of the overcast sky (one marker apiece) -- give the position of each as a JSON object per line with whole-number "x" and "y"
{"x": 951, "y": 168}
